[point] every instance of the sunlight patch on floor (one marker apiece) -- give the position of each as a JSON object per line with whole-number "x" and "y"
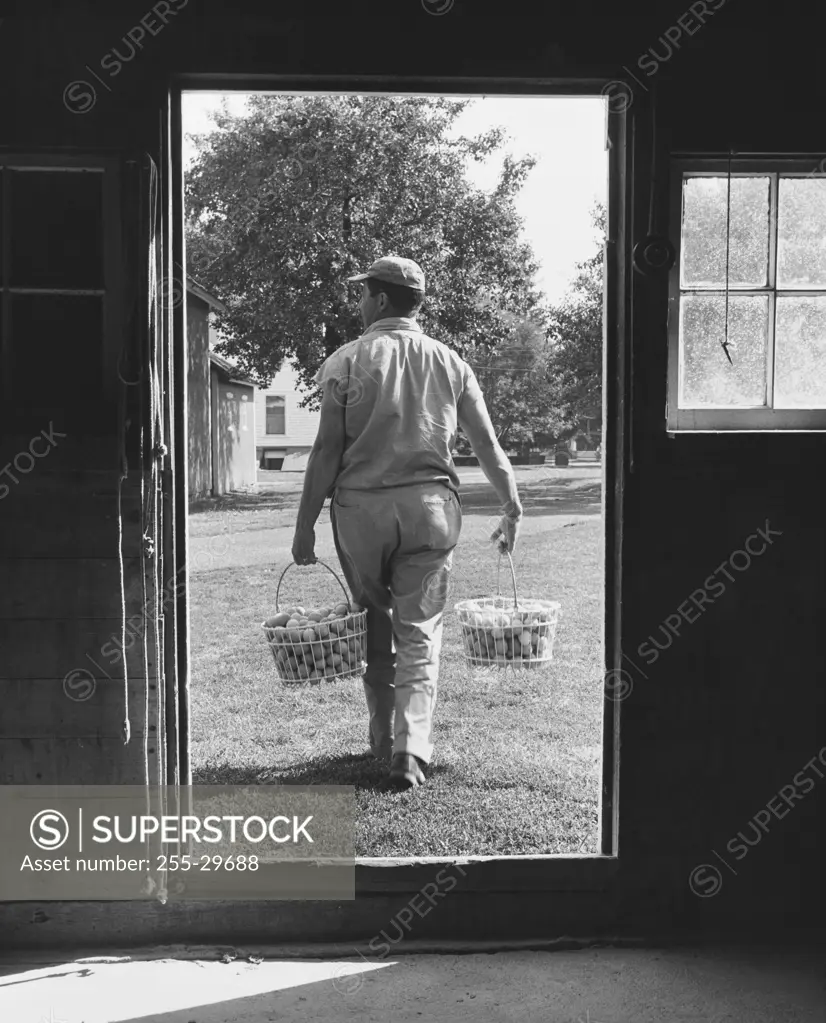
{"x": 84, "y": 992}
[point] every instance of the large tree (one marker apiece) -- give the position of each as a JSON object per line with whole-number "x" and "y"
{"x": 286, "y": 202}
{"x": 546, "y": 376}
{"x": 521, "y": 392}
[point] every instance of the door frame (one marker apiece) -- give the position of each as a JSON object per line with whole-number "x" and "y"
{"x": 500, "y": 874}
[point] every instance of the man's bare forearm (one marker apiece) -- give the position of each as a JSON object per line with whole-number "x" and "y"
{"x": 323, "y": 467}
{"x": 495, "y": 465}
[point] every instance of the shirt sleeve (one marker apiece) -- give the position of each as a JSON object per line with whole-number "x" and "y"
{"x": 330, "y": 369}
{"x": 471, "y": 391}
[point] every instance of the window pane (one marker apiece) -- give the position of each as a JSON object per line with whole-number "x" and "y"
{"x": 57, "y": 229}
{"x": 707, "y": 378}
{"x": 801, "y": 233}
{"x": 276, "y": 422}
{"x": 800, "y": 352}
{"x": 704, "y": 232}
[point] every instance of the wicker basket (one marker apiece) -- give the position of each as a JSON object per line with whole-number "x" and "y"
{"x": 308, "y": 649}
{"x": 498, "y": 632}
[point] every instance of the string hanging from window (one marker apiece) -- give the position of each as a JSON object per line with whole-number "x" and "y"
{"x": 726, "y": 344}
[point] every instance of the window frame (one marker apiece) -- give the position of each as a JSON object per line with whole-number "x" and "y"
{"x": 734, "y": 420}
{"x": 266, "y": 415}
{"x": 111, "y": 291}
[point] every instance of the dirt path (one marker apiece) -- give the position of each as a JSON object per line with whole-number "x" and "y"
{"x": 258, "y": 529}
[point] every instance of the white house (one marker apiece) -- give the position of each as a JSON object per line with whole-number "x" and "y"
{"x": 284, "y": 432}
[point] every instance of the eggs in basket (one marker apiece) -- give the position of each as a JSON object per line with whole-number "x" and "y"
{"x": 324, "y": 642}
{"x": 495, "y": 634}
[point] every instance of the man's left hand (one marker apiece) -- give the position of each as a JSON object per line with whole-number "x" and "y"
{"x": 304, "y": 547}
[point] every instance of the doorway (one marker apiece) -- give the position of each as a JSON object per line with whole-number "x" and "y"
{"x": 577, "y": 496}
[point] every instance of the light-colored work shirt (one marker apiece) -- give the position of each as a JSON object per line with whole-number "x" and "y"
{"x": 402, "y": 393}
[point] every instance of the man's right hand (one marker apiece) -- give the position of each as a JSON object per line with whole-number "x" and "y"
{"x": 474, "y": 419}
{"x": 506, "y": 533}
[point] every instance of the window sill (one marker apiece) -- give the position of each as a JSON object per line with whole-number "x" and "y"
{"x": 687, "y": 421}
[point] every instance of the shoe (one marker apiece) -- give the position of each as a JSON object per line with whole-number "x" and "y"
{"x": 406, "y": 771}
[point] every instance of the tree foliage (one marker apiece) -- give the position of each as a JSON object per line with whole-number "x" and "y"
{"x": 285, "y": 203}
{"x": 517, "y": 381}
{"x": 546, "y": 376}
{"x": 288, "y": 200}
{"x": 575, "y": 341}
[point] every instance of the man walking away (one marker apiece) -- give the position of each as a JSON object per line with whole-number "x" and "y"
{"x": 392, "y": 402}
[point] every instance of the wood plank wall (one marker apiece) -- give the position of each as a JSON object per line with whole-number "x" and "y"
{"x": 61, "y": 672}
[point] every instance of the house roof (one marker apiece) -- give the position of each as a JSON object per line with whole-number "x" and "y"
{"x": 229, "y": 373}
{"x": 194, "y": 288}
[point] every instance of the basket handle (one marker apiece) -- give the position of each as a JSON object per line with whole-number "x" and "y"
{"x": 513, "y": 577}
{"x": 318, "y": 562}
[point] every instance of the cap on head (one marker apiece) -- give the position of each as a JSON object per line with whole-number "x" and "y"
{"x": 395, "y": 270}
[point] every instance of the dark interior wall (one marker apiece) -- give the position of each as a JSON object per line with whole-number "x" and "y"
{"x": 198, "y": 397}
{"x": 734, "y": 710}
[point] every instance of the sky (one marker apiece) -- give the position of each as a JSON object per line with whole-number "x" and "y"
{"x": 566, "y": 134}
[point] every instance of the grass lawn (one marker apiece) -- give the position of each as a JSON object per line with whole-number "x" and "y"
{"x": 517, "y": 761}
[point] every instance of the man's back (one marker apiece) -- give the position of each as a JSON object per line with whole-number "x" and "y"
{"x": 402, "y": 391}
{"x": 383, "y": 453}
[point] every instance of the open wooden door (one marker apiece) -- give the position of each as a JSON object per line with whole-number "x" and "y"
{"x": 167, "y": 253}
{"x": 80, "y": 518}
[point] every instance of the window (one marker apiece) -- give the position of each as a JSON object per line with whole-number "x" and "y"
{"x": 747, "y": 304}
{"x": 276, "y": 412}
{"x": 58, "y": 269}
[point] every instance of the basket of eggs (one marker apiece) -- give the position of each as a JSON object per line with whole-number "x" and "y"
{"x": 500, "y": 633}
{"x": 316, "y": 643}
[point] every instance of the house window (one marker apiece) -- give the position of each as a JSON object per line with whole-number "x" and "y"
{"x": 747, "y": 302}
{"x": 276, "y": 414}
